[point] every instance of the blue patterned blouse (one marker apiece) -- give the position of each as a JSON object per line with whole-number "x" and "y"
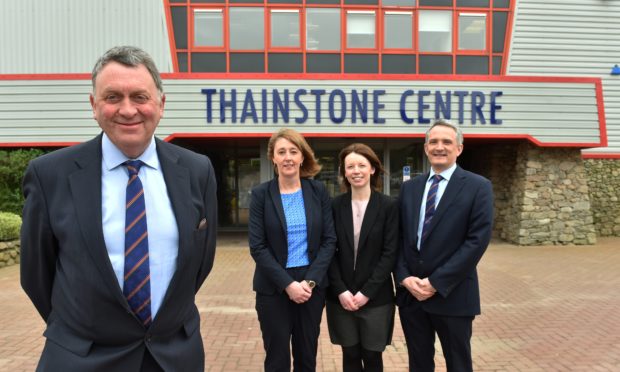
{"x": 297, "y": 233}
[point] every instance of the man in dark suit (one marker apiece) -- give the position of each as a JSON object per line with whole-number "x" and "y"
{"x": 119, "y": 234}
{"x": 446, "y": 224}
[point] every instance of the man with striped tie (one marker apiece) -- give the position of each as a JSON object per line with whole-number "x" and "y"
{"x": 446, "y": 224}
{"x": 119, "y": 233}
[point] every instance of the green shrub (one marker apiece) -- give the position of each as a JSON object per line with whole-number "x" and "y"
{"x": 13, "y": 163}
{"x": 9, "y": 226}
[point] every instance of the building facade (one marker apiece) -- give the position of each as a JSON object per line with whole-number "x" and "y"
{"x": 529, "y": 82}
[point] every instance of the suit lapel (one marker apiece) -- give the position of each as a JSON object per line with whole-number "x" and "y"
{"x": 276, "y": 199}
{"x": 347, "y": 218}
{"x": 85, "y": 189}
{"x": 456, "y": 183}
{"x": 178, "y": 185}
{"x": 418, "y": 194}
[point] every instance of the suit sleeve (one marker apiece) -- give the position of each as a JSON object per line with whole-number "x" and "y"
{"x": 259, "y": 246}
{"x": 39, "y": 247}
{"x": 210, "y": 203}
{"x": 401, "y": 271}
{"x": 318, "y": 267}
{"x": 389, "y": 250}
{"x": 337, "y": 285}
{"x": 446, "y": 277}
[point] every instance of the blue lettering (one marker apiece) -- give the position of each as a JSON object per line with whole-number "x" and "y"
{"x": 232, "y": 104}
{"x": 343, "y": 106}
{"x": 301, "y": 105}
{"x": 279, "y": 106}
{"x": 376, "y": 106}
{"x": 263, "y": 94}
{"x": 422, "y": 106}
{"x": 461, "y": 94}
{"x": 495, "y": 107}
{"x": 477, "y": 101}
{"x": 317, "y": 94}
{"x": 403, "y": 112}
{"x": 209, "y": 93}
{"x": 249, "y": 108}
{"x": 359, "y": 106}
{"x": 442, "y": 108}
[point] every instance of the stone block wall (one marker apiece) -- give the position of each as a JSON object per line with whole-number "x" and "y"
{"x": 604, "y": 184}
{"x": 541, "y": 194}
{"x": 9, "y": 253}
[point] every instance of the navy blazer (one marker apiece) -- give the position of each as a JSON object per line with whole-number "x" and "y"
{"x": 67, "y": 273}
{"x": 268, "y": 238}
{"x": 459, "y": 234}
{"x": 377, "y": 250}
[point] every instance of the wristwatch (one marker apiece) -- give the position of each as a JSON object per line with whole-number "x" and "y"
{"x": 311, "y": 283}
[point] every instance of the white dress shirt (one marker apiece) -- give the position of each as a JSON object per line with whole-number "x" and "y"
{"x": 440, "y": 190}
{"x": 163, "y": 234}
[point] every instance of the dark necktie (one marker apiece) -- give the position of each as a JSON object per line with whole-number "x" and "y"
{"x": 431, "y": 198}
{"x": 137, "y": 286}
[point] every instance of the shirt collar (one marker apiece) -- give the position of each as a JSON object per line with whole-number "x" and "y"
{"x": 113, "y": 157}
{"x": 445, "y": 174}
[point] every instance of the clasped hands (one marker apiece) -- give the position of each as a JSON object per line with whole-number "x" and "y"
{"x": 352, "y": 302}
{"x": 299, "y": 292}
{"x": 421, "y": 289}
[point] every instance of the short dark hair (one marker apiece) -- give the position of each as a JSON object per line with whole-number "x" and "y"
{"x": 128, "y": 56}
{"x": 446, "y": 123}
{"x": 376, "y": 179}
{"x": 310, "y": 166}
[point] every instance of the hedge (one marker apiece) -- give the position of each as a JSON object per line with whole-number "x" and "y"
{"x": 10, "y": 224}
{"x": 13, "y": 163}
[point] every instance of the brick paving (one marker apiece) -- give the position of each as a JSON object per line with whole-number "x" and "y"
{"x": 549, "y": 308}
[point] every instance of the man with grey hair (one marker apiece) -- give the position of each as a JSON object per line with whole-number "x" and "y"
{"x": 119, "y": 234}
{"x": 446, "y": 223}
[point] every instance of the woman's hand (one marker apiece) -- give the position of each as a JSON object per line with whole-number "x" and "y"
{"x": 360, "y": 299}
{"x": 347, "y": 301}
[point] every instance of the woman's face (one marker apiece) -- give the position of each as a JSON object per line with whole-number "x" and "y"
{"x": 357, "y": 170}
{"x": 287, "y": 158}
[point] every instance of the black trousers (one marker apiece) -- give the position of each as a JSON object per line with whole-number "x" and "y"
{"x": 454, "y": 334}
{"x": 284, "y": 323}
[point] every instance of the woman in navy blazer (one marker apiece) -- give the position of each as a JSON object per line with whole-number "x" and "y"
{"x": 292, "y": 241}
{"x": 360, "y": 299}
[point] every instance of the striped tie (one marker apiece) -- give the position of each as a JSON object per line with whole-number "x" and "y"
{"x": 137, "y": 287}
{"x": 430, "y": 206}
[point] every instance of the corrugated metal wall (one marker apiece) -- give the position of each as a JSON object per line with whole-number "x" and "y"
{"x": 571, "y": 38}
{"x": 67, "y": 36}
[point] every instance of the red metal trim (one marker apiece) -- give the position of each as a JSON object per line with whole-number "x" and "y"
{"x": 600, "y": 156}
{"x": 508, "y": 37}
{"x": 602, "y": 121}
{"x": 171, "y": 42}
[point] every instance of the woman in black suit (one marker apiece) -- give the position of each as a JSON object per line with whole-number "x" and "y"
{"x": 292, "y": 240}
{"x": 360, "y": 300}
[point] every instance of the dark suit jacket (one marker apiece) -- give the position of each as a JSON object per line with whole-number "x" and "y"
{"x": 460, "y": 232}
{"x": 66, "y": 270}
{"x": 377, "y": 250}
{"x": 268, "y": 239}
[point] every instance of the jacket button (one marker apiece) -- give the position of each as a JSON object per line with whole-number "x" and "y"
{"x": 147, "y": 338}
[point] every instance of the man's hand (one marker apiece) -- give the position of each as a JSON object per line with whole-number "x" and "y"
{"x": 298, "y": 292}
{"x": 421, "y": 289}
{"x": 347, "y": 301}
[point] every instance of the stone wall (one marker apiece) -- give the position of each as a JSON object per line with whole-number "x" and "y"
{"x": 541, "y": 194}
{"x": 9, "y": 253}
{"x": 604, "y": 183}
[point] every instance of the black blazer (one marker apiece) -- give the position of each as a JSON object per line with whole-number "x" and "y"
{"x": 460, "y": 232}
{"x": 377, "y": 250}
{"x": 268, "y": 239}
{"x": 66, "y": 271}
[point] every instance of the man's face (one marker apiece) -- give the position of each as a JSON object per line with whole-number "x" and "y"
{"x": 441, "y": 148}
{"x": 127, "y": 106}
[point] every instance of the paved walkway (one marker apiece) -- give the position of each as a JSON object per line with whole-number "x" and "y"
{"x": 551, "y": 308}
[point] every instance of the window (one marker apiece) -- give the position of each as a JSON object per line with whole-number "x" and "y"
{"x": 285, "y": 28}
{"x": 398, "y": 2}
{"x": 322, "y": 29}
{"x": 208, "y": 28}
{"x": 361, "y": 29}
{"x": 247, "y": 28}
{"x": 472, "y": 31}
{"x": 435, "y": 34}
{"x": 398, "y": 30}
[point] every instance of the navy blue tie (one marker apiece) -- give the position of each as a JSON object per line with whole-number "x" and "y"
{"x": 137, "y": 286}
{"x": 431, "y": 198}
